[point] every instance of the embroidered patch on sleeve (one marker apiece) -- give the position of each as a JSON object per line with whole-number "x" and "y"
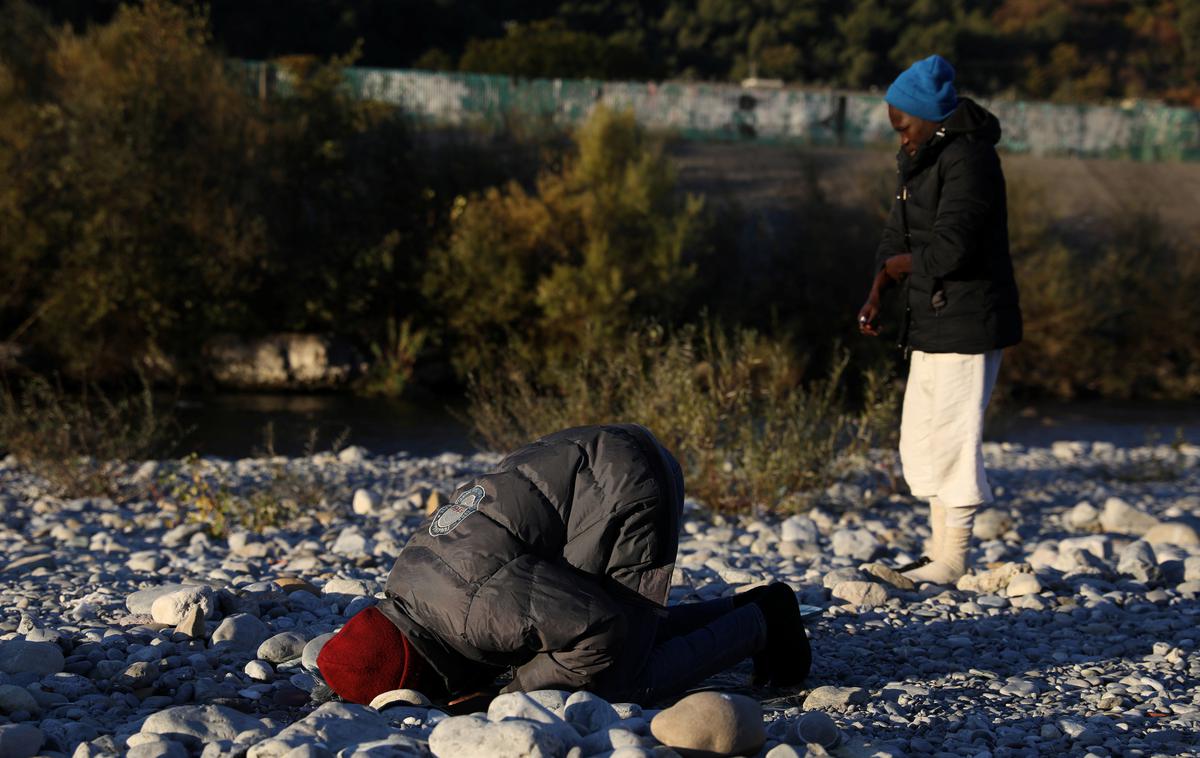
{"x": 453, "y": 514}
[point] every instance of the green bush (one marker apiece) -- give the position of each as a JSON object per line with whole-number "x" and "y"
{"x": 731, "y": 406}
{"x": 602, "y": 242}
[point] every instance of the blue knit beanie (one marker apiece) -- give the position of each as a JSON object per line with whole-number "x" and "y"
{"x": 925, "y": 90}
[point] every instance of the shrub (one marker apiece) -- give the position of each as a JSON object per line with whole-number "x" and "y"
{"x": 202, "y": 491}
{"x": 205, "y": 493}
{"x": 550, "y": 50}
{"x": 151, "y": 202}
{"x": 748, "y": 433}
{"x": 80, "y": 443}
{"x": 1106, "y": 314}
{"x": 603, "y": 242}
{"x": 122, "y": 223}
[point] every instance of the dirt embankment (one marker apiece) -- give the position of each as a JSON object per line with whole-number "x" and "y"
{"x": 771, "y": 181}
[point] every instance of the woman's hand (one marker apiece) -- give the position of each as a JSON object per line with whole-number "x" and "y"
{"x": 867, "y": 315}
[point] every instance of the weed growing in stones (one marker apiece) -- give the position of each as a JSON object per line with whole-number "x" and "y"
{"x": 80, "y": 442}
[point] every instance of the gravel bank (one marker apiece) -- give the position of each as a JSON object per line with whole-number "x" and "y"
{"x": 126, "y": 630}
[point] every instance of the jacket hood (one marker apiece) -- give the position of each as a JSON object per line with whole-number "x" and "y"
{"x": 971, "y": 118}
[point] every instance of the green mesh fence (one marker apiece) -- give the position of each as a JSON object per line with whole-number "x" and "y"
{"x": 702, "y": 111}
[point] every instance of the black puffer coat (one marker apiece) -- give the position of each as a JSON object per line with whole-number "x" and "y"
{"x": 951, "y": 213}
{"x": 557, "y": 563}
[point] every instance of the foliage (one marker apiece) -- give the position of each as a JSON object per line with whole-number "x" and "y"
{"x": 602, "y": 242}
{"x": 202, "y": 490}
{"x": 1061, "y": 49}
{"x": 549, "y": 49}
{"x": 80, "y": 442}
{"x": 731, "y": 406}
{"x": 394, "y": 360}
{"x": 151, "y": 201}
{"x": 121, "y": 223}
{"x": 1106, "y": 314}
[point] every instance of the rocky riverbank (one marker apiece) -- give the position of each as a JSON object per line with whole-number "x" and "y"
{"x": 126, "y": 629}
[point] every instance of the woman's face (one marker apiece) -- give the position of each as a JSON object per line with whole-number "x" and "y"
{"x": 913, "y": 131}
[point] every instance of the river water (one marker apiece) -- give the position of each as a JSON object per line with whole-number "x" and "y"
{"x": 236, "y": 425}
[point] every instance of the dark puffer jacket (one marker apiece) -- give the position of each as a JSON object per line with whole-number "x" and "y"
{"x": 951, "y": 213}
{"x": 557, "y": 563}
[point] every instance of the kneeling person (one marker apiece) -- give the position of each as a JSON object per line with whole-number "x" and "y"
{"x": 557, "y": 565}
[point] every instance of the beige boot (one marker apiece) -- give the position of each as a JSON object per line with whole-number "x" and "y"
{"x": 937, "y": 528}
{"x": 950, "y": 563}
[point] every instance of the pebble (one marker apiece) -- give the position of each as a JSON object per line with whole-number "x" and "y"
{"x": 14, "y": 699}
{"x": 860, "y": 594}
{"x": 282, "y": 647}
{"x": 24, "y": 657}
{"x": 240, "y": 631}
{"x": 173, "y": 607}
{"x": 312, "y": 648}
{"x": 831, "y": 697}
{"x": 20, "y": 740}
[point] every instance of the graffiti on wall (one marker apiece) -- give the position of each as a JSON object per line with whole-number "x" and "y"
{"x": 697, "y": 110}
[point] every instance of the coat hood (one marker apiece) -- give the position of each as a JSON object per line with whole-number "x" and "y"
{"x": 971, "y": 118}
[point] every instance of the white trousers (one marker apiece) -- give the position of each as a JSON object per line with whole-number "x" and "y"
{"x": 941, "y": 427}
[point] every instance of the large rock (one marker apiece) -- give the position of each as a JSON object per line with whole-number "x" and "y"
{"x": 281, "y": 361}
{"x": 1138, "y": 561}
{"x": 14, "y": 699}
{"x": 308, "y": 656}
{"x": 173, "y": 607}
{"x": 335, "y": 725}
{"x": 816, "y": 728}
{"x": 139, "y": 603}
{"x": 474, "y": 737}
{"x": 240, "y": 631}
{"x": 858, "y": 544}
{"x": 1083, "y": 517}
{"x": 23, "y": 657}
{"x": 718, "y": 723}
{"x": 1173, "y": 533}
{"x": 799, "y": 529}
{"x": 991, "y": 524}
{"x": 20, "y": 740}
{"x": 347, "y": 587}
{"x": 207, "y": 723}
{"x": 1022, "y": 585}
{"x": 366, "y": 502}
{"x": 588, "y": 712}
{"x": 888, "y": 575}
{"x": 519, "y": 705}
{"x": 993, "y": 581}
{"x": 860, "y": 594}
{"x": 1121, "y": 517}
{"x": 282, "y": 647}
{"x": 830, "y": 697}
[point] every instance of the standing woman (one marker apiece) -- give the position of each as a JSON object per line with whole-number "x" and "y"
{"x": 946, "y": 244}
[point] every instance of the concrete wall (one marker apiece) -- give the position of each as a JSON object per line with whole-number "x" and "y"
{"x": 1142, "y": 131}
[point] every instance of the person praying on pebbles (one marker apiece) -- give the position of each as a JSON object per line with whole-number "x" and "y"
{"x": 946, "y": 243}
{"x": 556, "y": 566}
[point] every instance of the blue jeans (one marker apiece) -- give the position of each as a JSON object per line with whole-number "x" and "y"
{"x": 695, "y": 641}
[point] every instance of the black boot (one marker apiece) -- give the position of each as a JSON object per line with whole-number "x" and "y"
{"x": 787, "y": 657}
